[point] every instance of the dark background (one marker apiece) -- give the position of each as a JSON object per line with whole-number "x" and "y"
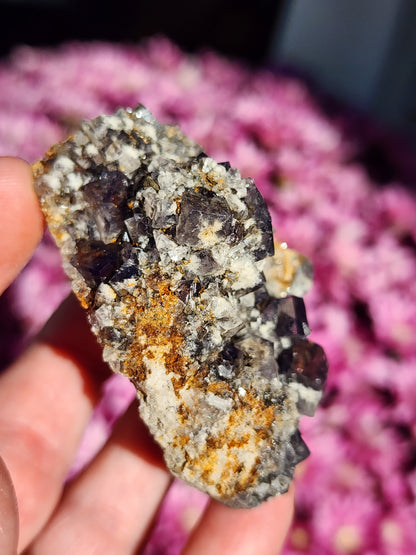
{"x": 241, "y": 29}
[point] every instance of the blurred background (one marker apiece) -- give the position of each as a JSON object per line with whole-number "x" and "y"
{"x": 363, "y": 53}
{"x": 316, "y": 100}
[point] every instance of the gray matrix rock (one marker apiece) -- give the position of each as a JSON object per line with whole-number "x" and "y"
{"x": 172, "y": 256}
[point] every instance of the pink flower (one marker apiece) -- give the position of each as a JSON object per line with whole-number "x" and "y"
{"x": 180, "y": 512}
{"x": 355, "y": 494}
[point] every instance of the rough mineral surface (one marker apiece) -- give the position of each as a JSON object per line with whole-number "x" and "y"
{"x": 172, "y": 255}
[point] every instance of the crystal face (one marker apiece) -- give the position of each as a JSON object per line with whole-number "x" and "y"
{"x": 172, "y": 255}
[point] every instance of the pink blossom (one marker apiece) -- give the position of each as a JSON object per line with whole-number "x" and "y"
{"x": 356, "y": 492}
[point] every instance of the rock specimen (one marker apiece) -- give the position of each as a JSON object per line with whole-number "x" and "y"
{"x": 172, "y": 255}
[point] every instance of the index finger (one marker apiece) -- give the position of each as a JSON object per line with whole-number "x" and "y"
{"x": 261, "y": 530}
{"x": 21, "y": 220}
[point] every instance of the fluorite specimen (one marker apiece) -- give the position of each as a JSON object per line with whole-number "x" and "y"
{"x": 172, "y": 255}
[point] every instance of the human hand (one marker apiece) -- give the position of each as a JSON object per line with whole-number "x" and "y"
{"x": 46, "y": 400}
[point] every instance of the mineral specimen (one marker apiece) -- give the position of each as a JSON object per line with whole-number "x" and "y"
{"x": 172, "y": 255}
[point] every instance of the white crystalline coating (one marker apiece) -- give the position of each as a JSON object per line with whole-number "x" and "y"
{"x": 52, "y": 182}
{"x": 63, "y": 165}
{"x": 219, "y": 402}
{"x": 168, "y": 252}
{"x": 105, "y": 294}
{"x": 307, "y": 397}
{"x": 75, "y": 181}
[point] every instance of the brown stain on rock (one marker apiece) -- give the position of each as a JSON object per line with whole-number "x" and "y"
{"x": 157, "y": 331}
{"x": 227, "y": 461}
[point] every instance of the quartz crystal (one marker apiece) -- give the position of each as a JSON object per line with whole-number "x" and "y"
{"x": 172, "y": 255}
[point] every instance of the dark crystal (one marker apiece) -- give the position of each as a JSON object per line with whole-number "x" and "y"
{"x": 305, "y": 362}
{"x": 127, "y": 270}
{"x": 291, "y": 317}
{"x": 299, "y": 446}
{"x": 138, "y": 226}
{"x": 111, "y": 187}
{"x": 201, "y": 156}
{"x": 262, "y": 299}
{"x": 207, "y": 264}
{"x": 237, "y": 233}
{"x": 197, "y": 213}
{"x": 258, "y": 211}
{"x": 96, "y": 261}
{"x": 288, "y": 314}
{"x": 138, "y": 178}
{"x": 107, "y": 199}
{"x": 187, "y": 289}
{"x": 268, "y": 306}
{"x": 296, "y": 452}
{"x": 229, "y": 362}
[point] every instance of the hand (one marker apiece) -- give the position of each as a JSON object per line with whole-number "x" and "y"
{"x": 46, "y": 399}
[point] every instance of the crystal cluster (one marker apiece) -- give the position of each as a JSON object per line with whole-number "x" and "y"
{"x": 172, "y": 255}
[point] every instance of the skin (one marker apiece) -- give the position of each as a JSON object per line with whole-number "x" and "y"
{"x": 46, "y": 399}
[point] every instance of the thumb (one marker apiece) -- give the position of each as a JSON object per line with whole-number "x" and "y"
{"x": 9, "y": 519}
{"x": 21, "y": 222}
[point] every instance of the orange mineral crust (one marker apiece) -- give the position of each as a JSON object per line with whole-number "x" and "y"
{"x": 172, "y": 256}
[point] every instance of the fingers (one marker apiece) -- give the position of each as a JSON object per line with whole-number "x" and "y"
{"x": 46, "y": 399}
{"x": 110, "y": 506}
{"x": 21, "y": 221}
{"x": 9, "y": 520}
{"x": 261, "y": 530}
